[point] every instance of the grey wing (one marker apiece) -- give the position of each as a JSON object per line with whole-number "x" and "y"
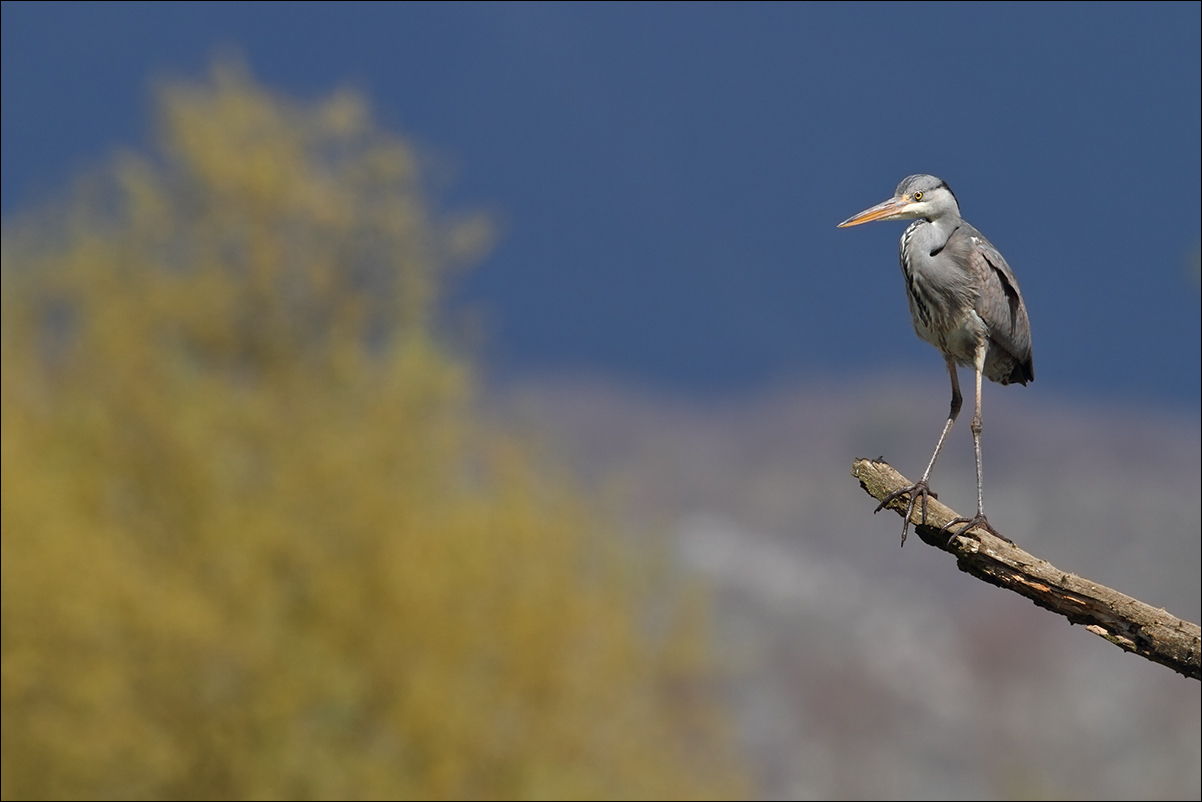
{"x": 1000, "y": 305}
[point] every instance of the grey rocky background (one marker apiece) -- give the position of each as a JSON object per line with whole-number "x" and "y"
{"x": 857, "y": 669}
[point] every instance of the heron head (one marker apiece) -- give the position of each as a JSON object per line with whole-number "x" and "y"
{"x": 916, "y": 196}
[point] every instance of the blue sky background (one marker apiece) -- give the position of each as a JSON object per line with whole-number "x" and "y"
{"x": 668, "y": 177}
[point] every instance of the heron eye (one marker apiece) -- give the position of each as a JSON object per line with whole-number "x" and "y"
{"x": 917, "y": 196}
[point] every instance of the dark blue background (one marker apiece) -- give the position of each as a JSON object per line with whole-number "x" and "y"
{"x": 668, "y": 176}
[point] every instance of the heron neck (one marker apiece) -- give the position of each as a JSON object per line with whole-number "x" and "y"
{"x": 944, "y": 222}
{"x": 930, "y": 235}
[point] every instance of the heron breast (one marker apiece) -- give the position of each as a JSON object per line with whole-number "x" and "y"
{"x": 954, "y": 335}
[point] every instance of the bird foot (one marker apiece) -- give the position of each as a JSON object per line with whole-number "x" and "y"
{"x": 916, "y": 490}
{"x": 978, "y": 521}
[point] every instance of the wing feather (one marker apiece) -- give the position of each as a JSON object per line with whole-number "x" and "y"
{"x": 1000, "y": 306}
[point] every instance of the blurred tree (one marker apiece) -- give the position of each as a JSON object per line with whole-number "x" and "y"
{"x": 254, "y": 542}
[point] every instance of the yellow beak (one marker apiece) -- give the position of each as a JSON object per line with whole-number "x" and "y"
{"x": 882, "y": 211}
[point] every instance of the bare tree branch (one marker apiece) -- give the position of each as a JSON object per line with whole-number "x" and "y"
{"x": 1126, "y": 622}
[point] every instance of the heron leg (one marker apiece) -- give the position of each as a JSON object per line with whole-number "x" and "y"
{"x": 979, "y": 519}
{"x": 921, "y": 489}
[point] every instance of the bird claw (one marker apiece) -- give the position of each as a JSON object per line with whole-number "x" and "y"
{"x": 916, "y": 490}
{"x": 977, "y": 521}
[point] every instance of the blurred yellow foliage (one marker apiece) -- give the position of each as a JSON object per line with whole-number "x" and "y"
{"x": 255, "y": 543}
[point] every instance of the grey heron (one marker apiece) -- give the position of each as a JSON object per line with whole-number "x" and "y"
{"x": 965, "y": 301}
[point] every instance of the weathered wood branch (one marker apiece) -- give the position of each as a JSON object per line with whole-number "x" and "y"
{"x": 1126, "y": 622}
